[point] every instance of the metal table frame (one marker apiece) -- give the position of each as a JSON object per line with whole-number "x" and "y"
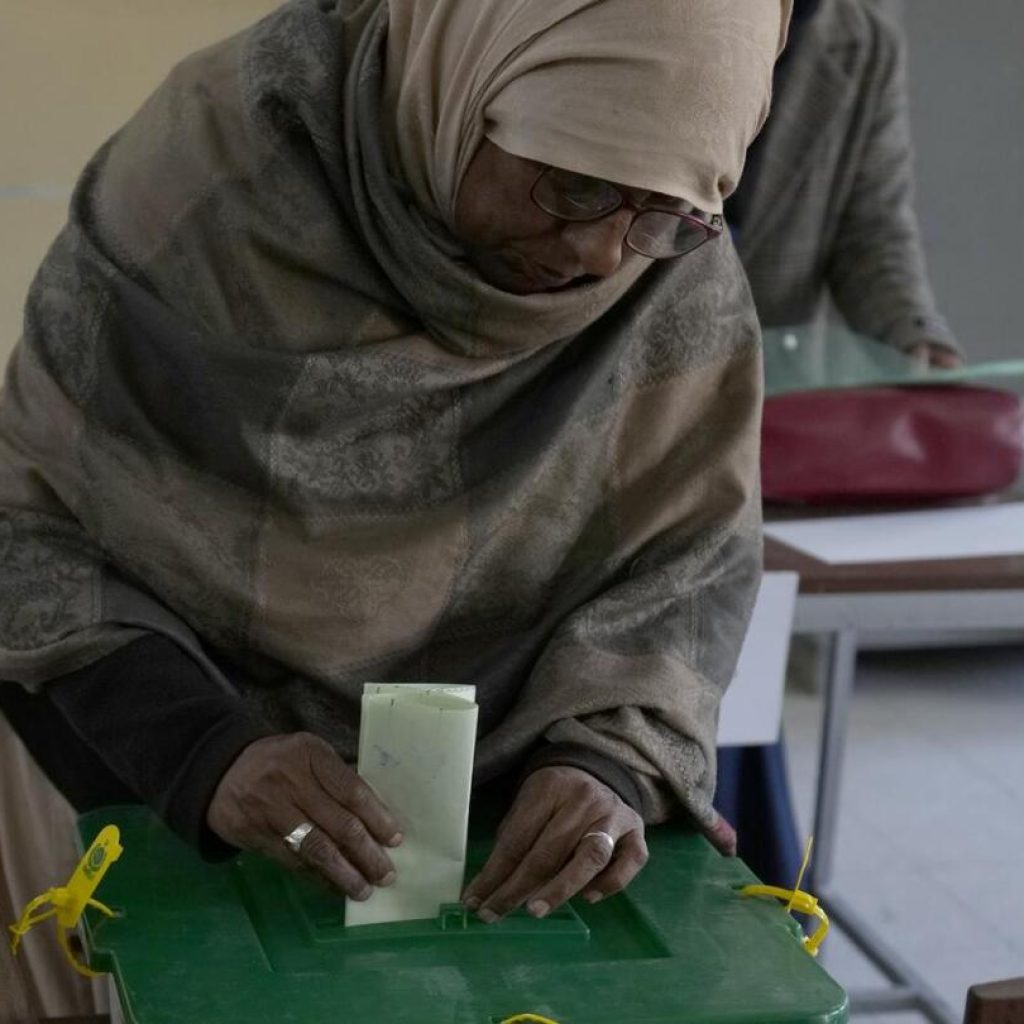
{"x": 844, "y": 618}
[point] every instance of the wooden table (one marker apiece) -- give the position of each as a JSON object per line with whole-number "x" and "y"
{"x": 844, "y": 603}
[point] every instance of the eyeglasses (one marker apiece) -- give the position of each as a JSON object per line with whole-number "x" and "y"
{"x": 659, "y": 230}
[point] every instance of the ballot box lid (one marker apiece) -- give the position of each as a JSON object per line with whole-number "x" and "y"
{"x": 246, "y": 941}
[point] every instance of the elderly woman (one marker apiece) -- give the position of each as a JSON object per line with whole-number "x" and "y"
{"x": 399, "y": 341}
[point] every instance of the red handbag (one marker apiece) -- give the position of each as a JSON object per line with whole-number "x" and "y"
{"x": 882, "y": 444}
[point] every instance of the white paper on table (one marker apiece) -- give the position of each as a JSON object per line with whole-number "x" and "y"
{"x": 948, "y": 533}
{"x": 752, "y": 706}
{"x": 416, "y": 746}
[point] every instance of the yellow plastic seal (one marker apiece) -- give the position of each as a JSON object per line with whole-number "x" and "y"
{"x": 68, "y": 902}
{"x": 802, "y": 902}
{"x": 798, "y": 900}
{"x": 528, "y": 1018}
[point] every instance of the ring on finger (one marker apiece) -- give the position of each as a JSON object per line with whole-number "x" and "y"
{"x": 605, "y": 838}
{"x": 297, "y": 836}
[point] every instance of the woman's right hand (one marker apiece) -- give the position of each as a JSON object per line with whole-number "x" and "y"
{"x": 279, "y": 782}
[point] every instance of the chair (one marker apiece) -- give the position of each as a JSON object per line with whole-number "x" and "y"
{"x": 997, "y": 1002}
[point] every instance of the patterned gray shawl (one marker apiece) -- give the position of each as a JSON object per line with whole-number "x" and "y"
{"x": 259, "y": 408}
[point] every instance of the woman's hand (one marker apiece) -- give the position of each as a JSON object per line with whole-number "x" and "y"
{"x": 552, "y": 845}
{"x": 279, "y": 782}
{"x": 931, "y": 355}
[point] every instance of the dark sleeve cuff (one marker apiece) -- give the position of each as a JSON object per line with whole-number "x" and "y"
{"x": 189, "y": 794}
{"x": 167, "y": 730}
{"x": 605, "y": 769}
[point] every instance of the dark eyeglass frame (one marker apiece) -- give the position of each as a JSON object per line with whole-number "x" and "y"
{"x": 712, "y": 225}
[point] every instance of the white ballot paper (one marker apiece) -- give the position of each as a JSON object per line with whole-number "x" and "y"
{"x": 416, "y": 745}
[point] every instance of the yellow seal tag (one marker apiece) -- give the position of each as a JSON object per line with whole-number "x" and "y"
{"x": 66, "y": 903}
{"x": 798, "y": 900}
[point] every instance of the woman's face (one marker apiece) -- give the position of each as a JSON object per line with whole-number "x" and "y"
{"x": 514, "y": 244}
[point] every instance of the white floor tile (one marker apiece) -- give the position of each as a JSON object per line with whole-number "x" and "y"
{"x": 865, "y": 843}
{"x": 914, "y": 913}
{"x": 996, "y": 894}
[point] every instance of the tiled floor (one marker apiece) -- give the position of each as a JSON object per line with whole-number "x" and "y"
{"x": 931, "y": 835}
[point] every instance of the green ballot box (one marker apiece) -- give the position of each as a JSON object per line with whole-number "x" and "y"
{"x": 243, "y": 941}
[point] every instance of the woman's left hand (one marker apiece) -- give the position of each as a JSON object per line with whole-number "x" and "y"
{"x": 931, "y": 355}
{"x": 566, "y": 833}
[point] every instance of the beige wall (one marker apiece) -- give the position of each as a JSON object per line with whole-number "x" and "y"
{"x": 967, "y": 114}
{"x": 71, "y": 71}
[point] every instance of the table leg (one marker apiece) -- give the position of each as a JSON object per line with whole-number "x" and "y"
{"x": 910, "y": 990}
{"x": 842, "y": 663}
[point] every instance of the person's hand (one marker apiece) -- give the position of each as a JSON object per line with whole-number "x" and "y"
{"x": 279, "y": 782}
{"x": 552, "y": 846}
{"x": 930, "y": 354}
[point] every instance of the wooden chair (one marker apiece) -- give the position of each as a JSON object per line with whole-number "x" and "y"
{"x": 998, "y": 1002}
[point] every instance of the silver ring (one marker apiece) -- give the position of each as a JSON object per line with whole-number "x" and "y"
{"x": 602, "y": 835}
{"x": 297, "y": 836}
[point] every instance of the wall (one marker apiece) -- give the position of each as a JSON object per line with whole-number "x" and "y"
{"x": 967, "y": 109}
{"x": 71, "y": 72}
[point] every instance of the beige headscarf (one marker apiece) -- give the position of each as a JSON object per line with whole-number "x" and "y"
{"x": 658, "y": 94}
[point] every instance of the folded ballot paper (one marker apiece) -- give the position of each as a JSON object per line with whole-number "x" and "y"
{"x": 416, "y": 744}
